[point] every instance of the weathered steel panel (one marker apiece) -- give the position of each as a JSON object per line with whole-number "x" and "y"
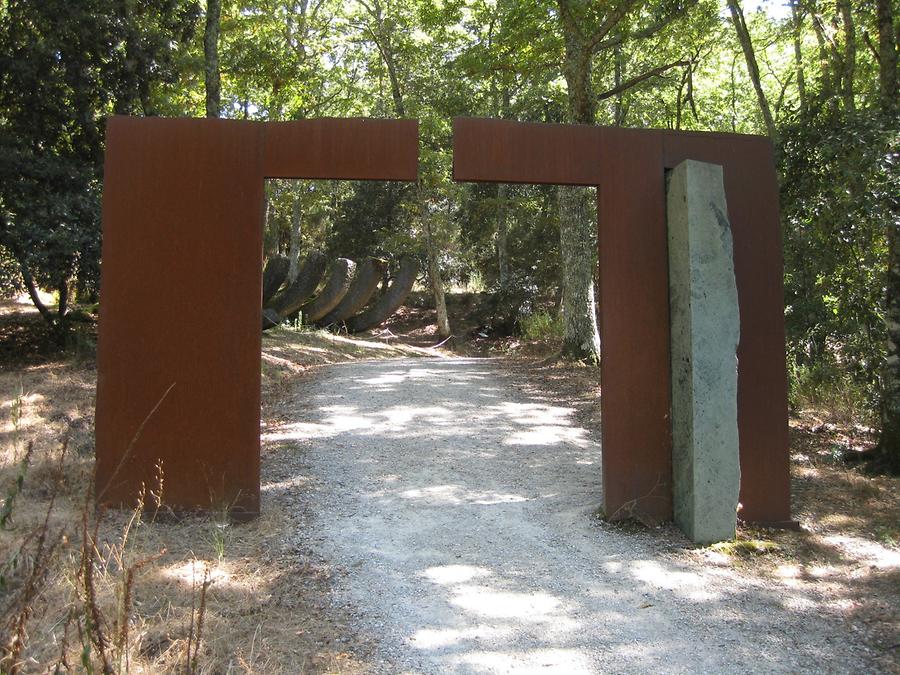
{"x": 628, "y": 166}
{"x": 751, "y": 189}
{"x": 344, "y": 149}
{"x": 634, "y": 320}
{"x": 500, "y": 151}
{"x": 179, "y": 336}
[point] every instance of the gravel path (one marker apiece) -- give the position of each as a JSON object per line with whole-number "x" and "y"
{"x": 458, "y": 512}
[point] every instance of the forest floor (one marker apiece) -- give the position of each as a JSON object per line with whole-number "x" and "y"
{"x": 274, "y": 603}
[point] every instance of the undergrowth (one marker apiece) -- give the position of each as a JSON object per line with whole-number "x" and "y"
{"x": 542, "y": 325}
{"x": 98, "y": 575}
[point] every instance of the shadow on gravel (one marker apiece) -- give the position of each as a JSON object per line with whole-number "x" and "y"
{"x": 461, "y": 510}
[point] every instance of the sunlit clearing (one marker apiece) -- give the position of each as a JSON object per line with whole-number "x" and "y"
{"x": 455, "y": 494}
{"x": 295, "y": 482}
{"x": 332, "y": 426}
{"x": 454, "y": 574}
{"x": 192, "y": 572}
{"x": 536, "y": 413}
{"x": 532, "y": 662}
{"x": 532, "y": 607}
{"x": 874, "y": 554}
{"x": 428, "y": 638}
{"x": 445, "y": 494}
{"x": 403, "y": 415}
{"x": 686, "y": 584}
{"x": 387, "y": 378}
{"x": 414, "y": 373}
{"x": 547, "y": 435}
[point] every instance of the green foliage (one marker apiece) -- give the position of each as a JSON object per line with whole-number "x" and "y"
{"x": 533, "y": 238}
{"x": 542, "y": 325}
{"x": 823, "y": 384}
{"x": 373, "y": 219}
{"x": 64, "y": 66}
{"x": 10, "y": 277}
{"x": 839, "y": 178}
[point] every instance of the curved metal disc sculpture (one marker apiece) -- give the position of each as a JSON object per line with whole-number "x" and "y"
{"x": 387, "y": 304}
{"x": 274, "y": 275}
{"x": 334, "y": 291}
{"x": 291, "y": 298}
{"x": 368, "y": 275}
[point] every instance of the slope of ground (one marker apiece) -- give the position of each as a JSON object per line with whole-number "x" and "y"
{"x": 456, "y": 503}
{"x": 269, "y": 607}
{"x": 265, "y": 609}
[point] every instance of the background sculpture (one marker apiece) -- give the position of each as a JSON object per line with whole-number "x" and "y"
{"x": 182, "y": 209}
{"x": 628, "y": 167}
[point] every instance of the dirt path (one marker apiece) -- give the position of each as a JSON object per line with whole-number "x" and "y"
{"x": 458, "y": 513}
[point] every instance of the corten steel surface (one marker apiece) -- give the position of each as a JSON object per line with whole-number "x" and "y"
{"x": 628, "y": 167}
{"x": 179, "y": 340}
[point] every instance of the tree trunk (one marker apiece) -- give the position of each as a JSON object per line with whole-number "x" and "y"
{"x": 270, "y": 237}
{"x": 826, "y": 76}
{"x": 577, "y": 252}
{"x": 797, "y": 18}
{"x": 33, "y": 293}
{"x": 619, "y": 110}
{"x": 434, "y": 274}
{"x": 577, "y": 230}
{"x": 380, "y": 310}
{"x": 211, "y": 58}
{"x": 502, "y": 108}
{"x": 296, "y": 239}
{"x": 383, "y": 41}
{"x": 848, "y": 69}
{"x": 743, "y": 34}
{"x": 334, "y": 291}
{"x": 364, "y": 285}
{"x": 887, "y": 58}
{"x": 888, "y": 450}
{"x": 502, "y": 238}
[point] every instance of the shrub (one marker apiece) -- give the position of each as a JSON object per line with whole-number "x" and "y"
{"x": 542, "y": 325}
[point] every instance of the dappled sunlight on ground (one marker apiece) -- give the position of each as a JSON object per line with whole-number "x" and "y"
{"x": 461, "y": 511}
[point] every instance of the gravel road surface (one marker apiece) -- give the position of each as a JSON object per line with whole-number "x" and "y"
{"x": 459, "y": 514}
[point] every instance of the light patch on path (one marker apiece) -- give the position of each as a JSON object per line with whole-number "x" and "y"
{"x": 459, "y": 513}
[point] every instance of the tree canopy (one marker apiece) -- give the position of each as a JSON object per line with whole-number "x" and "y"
{"x": 817, "y": 76}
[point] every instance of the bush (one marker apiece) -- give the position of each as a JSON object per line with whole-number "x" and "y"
{"x": 10, "y": 278}
{"x": 542, "y": 326}
{"x": 824, "y": 384}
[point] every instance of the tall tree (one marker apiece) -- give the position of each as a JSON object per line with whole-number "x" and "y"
{"x": 743, "y": 34}
{"x": 384, "y": 32}
{"x": 63, "y": 67}
{"x": 589, "y": 29}
{"x": 212, "y": 76}
{"x": 889, "y": 442}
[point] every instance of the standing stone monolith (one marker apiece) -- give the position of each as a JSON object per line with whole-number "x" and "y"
{"x": 705, "y": 330}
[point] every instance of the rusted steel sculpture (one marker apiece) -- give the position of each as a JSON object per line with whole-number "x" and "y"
{"x": 347, "y": 291}
{"x": 364, "y": 285}
{"x": 290, "y": 298}
{"x": 388, "y": 303}
{"x": 628, "y": 167}
{"x": 274, "y": 274}
{"x": 182, "y": 202}
{"x": 343, "y": 271}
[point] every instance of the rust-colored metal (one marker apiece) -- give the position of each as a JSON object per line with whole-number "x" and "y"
{"x": 179, "y": 340}
{"x": 628, "y": 167}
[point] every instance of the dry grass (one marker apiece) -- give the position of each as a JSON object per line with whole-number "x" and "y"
{"x": 266, "y": 608}
{"x": 130, "y": 592}
{"x": 847, "y": 550}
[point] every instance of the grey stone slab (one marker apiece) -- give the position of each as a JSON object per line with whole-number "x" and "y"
{"x": 705, "y": 330}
